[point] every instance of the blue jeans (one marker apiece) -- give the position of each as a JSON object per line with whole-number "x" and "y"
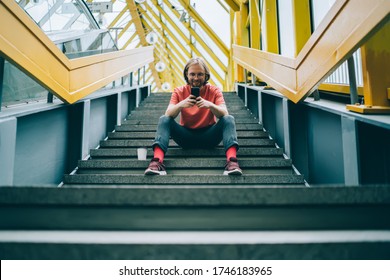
{"x": 208, "y": 137}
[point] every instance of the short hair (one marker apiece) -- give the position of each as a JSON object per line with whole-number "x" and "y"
{"x": 202, "y": 63}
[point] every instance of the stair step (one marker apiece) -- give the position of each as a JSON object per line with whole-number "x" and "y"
{"x": 152, "y": 127}
{"x": 195, "y": 245}
{"x": 148, "y": 143}
{"x": 156, "y": 114}
{"x": 114, "y": 179}
{"x": 152, "y": 134}
{"x": 185, "y": 163}
{"x": 154, "y": 120}
{"x": 178, "y": 152}
{"x": 196, "y": 207}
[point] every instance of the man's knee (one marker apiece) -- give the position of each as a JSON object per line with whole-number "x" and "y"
{"x": 164, "y": 120}
{"x": 228, "y": 119}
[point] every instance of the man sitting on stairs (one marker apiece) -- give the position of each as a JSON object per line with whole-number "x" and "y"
{"x": 198, "y": 127}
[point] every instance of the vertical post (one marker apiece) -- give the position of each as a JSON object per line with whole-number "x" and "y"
{"x": 246, "y": 97}
{"x": 301, "y": 23}
{"x": 350, "y": 151}
{"x": 131, "y": 79}
{"x": 139, "y": 76}
{"x": 85, "y": 129}
{"x": 376, "y": 73}
{"x": 316, "y": 95}
{"x": 270, "y": 31}
{"x": 143, "y": 76}
{"x": 260, "y": 106}
{"x": 254, "y": 24}
{"x": 286, "y": 128}
{"x": 119, "y": 109}
{"x": 2, "y": 62}
{"x": 137, "y": 97}
{"x": 7, "y": 150}
{"x": 49, "y": 97}
{"x": 352, "y": 80}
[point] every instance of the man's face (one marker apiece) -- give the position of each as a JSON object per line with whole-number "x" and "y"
{"x": 196, "y": 75}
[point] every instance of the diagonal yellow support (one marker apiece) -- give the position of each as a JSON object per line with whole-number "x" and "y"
{"x": 210, "y": 32}
{"x": 141, "y": 34}
{"x": 27, "y": 46}
{"x": 338, "y": 36}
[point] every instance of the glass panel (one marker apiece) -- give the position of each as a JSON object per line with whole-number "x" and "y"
{"x": 340, "y": 76}
{"x": 19, "y": 88}
{"x": 286, "y": 31}
{"x": 59, "y": 15}
{"x": 319, "y": 9}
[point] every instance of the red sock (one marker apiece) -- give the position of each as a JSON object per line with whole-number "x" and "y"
{"x": 231, "y": 152}
{"x": 158, "y": 153}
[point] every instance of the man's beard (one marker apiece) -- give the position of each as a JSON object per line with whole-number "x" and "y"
{"x": 197, "y": 84}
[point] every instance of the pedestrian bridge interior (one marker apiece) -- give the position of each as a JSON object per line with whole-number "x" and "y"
{"x": 83, "y": 83}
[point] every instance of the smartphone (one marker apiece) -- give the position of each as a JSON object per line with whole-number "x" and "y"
{"x": 195, "y": 91}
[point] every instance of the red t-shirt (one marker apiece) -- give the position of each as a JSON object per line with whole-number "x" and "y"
{"x": 195, "y": 117}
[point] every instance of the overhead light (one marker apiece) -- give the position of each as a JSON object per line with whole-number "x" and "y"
{"x": 160, "y": 66}
{"x": 151, "y": 38}
{"x": 139, "y": 1}
{"x": 166, "y": 86}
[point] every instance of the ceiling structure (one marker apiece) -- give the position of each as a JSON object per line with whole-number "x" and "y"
{"x": 177, "y": 31}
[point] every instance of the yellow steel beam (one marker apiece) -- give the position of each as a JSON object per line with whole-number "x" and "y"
{"x": 302, "y": 23}
{"x": 339, "y": 88}
{"x": 117, "y": 18}
{"x": 184, "y": 38}
{"x": 208, "y": 49}
{"x": 230, "y": 70}
{"x": 336, "y": 38}
{"x": 254, "y": 24}
{"x": 376, "y": 73}
{"x": 141, "y": 34}
{"x": 127, "y": 26}
{"x": 194, "y": 14}
{"x": 233, "y": 4}
{"x": 178, "y": 53}
{"x": 27, "y": 46}
{"x": 129, "y": 40}
{"x": 149, "y": 23}
{"x": 270, "y": 32}
{"x": 242, "y": 37}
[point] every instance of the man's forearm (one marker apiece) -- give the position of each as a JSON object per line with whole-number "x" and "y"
{"x": 173, "y": 111}
{"x": 218, "y": 111}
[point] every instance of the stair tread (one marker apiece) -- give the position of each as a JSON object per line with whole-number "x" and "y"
{"x": 178, "y": 152}
{"x": 184, "y": 179}
{"x": 194, "y": 237}
{"x": 183, "y": 163}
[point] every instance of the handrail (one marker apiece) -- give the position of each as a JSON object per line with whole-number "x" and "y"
{"x": 344, "y": 29}
{"x": 26, "y": 45}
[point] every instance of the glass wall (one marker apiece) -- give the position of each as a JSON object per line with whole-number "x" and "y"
{"x": 72, "y": 28}
{"x": 18, "y": 88}
{"x": 286, "y": 31}
{"x": 319, "y": 9}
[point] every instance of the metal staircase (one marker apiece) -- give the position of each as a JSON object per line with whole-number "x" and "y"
{"x": 115, "y": 161}
{"x": 107, "y": 208}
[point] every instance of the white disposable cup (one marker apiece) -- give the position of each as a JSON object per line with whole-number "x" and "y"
{"x": 141, "y": 152}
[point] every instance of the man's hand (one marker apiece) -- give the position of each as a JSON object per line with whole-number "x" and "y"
{"x": 202, "y": 103}
{"x": 188, "y": 102}
{"x": 174, "y": 110}
{"x": 218, "y": 111}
